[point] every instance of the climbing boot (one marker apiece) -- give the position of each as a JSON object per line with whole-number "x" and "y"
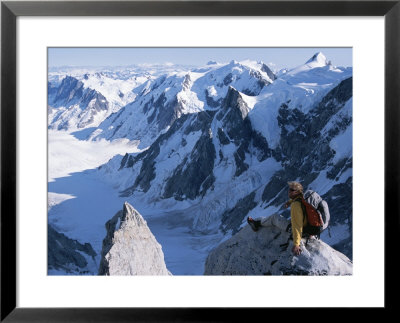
{"x": 255, "y": 224}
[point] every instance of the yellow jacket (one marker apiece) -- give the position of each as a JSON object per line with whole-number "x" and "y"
{"x": 298, "y": 220}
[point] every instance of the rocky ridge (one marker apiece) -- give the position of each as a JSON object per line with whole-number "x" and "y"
{"x": 268, "y": 252}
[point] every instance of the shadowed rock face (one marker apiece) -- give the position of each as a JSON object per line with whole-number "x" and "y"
{"x": 130, "y": 248}
{"x": 267, "y": 70}
{"x": 267, "y": 252}
{"x": 76, "y": 102}
{"x": 67, "y": 254}
{"x": 199, "y": 170}
{"x": 71, "y": 91}
{"x": 232, "y": 219}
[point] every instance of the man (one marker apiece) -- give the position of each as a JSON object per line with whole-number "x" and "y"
{"x": 297, "y": 218}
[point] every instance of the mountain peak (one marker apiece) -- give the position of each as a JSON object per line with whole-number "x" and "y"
{"x": 234, "y": 100}
{"x": 129, "y": 247}
{"x": 318, "y": 59}
{"x": 130, "y": 214}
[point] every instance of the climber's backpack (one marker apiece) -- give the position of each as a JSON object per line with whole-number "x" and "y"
{"x": 317, "y": 212}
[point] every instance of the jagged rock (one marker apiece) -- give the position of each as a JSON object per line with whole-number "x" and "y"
{"x": 268, "y": 252}
{"x": 67, "y": 254}
{"x": 198, "y": 168}
{"x": 187, "y": 82}
{"x": 74, "y": 105}
{"x": 130, "y": 248}
{"x": 233, "y": 107}
{"x": 69, "y": 92}
{"x": 267, "y": 70}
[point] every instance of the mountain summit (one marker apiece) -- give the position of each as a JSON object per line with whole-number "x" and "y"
{"x": 318, "y": 60}
{"x": 130, "y": 248}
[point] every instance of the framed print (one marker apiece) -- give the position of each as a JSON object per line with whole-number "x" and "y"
{"x": 172, "y": 128}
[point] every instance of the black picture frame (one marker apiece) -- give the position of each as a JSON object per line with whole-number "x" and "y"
{"x": 10, "y": 10}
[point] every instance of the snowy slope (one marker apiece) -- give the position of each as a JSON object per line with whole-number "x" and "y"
{"x": 300, "y": 88}
{"x": 115, "y": 87}
{"x": 157, "y": 105}
{"x": 74, "y": 106}
{"x": 163, "y": 100}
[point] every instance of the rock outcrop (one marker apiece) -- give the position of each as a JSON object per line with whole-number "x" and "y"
{"x": 268, "y": 252}
{"x": 68, "y": 255}
{"x": 130, "y": 248}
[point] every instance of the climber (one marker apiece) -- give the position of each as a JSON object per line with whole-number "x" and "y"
{"x": 297, "y": 219}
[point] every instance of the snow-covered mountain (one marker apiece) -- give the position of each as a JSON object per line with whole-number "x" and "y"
{"x": 233, "y": 157}
{"x": 165, "y": 99}
{"x": 83, "y": 97}
{"x": 75, "y": 106}
{"x": 218, "y": 143}
{"x": 78, "y": 101}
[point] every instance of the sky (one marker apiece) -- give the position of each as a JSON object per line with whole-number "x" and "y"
{"x": 276, "y": 57}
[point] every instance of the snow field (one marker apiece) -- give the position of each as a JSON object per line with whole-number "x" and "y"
{"x": 67, "y": 155}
